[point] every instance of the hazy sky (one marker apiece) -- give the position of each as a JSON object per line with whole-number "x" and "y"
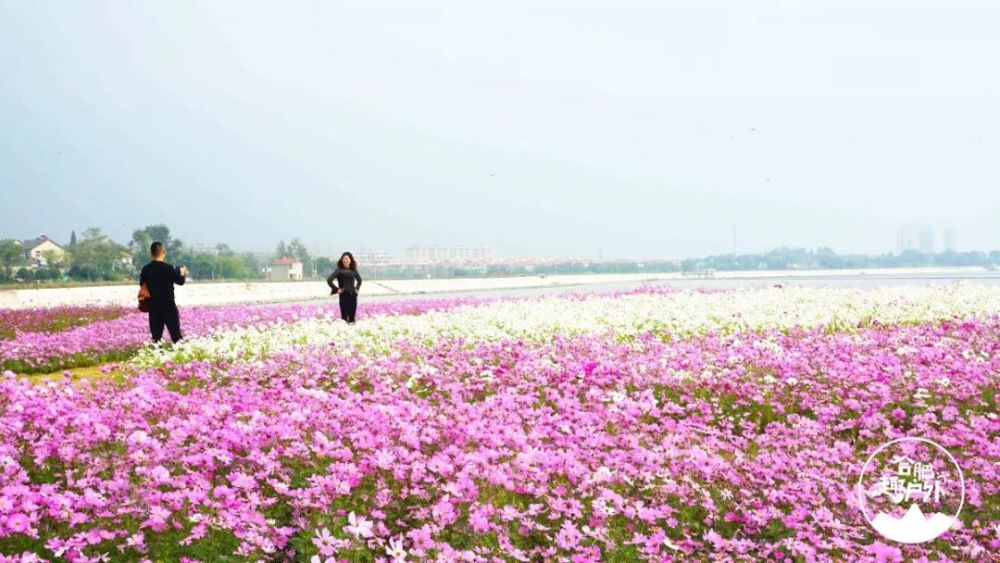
{"x": 640, "y": 129}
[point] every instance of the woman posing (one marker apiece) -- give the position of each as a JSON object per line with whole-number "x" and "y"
{"x": 345, "y": 275}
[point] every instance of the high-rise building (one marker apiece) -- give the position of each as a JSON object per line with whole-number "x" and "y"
{"x": 926, "y": 240}
{"x": 950, "y": 240}
{"x": 908, "y": 238}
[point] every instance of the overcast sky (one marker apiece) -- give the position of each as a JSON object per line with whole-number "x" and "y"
{"x": 562, "y": 128}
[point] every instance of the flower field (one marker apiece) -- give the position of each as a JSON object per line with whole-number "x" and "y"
{"x": 46, "y": 340}
{"x": 648, "y": 425}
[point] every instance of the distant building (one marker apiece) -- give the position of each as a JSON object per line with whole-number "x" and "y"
{"x": 127, "y": 262}
{"x": 926, "y": 240}
{"x": 908, "y": 238}
{"x": 284, "y": 269}
{"x": 372, "y": 257}
{"x": 449, "y": 253}
{"x": 35, "y": 249}
{"x": 950, "y": 240}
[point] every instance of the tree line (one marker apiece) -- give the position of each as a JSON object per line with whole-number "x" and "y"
{"x": 94, "y": 257}
{"x": 825, "y": 258}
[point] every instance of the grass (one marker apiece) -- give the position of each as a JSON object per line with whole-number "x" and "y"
{"x": 91, "y": 373}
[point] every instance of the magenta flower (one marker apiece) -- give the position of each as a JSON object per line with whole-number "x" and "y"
{"x": 568, "y": 537}
{"x": 18, "y": 523}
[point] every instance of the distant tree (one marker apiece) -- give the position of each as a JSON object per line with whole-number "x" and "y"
{"x": 251, "y": 263}
{"x": 53, "y": 260}
{"x": 161, "y": 233}
{"x": 97, "y": 257}
{"x": 299, "y": 251}
{"x": 691, "y": 264}
{"x": 232, "y": 268}
{"x": 325, "y": 266}
{"x": 143, "y": 238}
{"x": 72, "y": 238}
{"x": 11, "y": 256}
{"x": 827, "y": 258}
{"x": 910, "y": 259}
{"x": 209, "y": 266}
{"x": 281, "y": 251}
{"x": 223, "y": 250}
{"x": 201, "y": 265}
{"x": 179, "y": 251}
{"x": 47, "y": 274}
{"x": 139, "y": 247}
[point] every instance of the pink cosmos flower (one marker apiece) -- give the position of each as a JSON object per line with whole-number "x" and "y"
{"x": 19, "y": 523}
{"x": 480, "y": 520}
{"x": 159, "y": 474}
{"x": 884, "y": 553}
{"x": 568, "y": 537}
{"x": 241, "y": 480}
{"x": 324, "y": 541}
{"x": 444, "y": 511}
{"x": 137, "y": 541}
{"x": 422, "y": 538}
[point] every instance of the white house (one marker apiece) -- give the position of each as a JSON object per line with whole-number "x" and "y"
{"x": 125, "y": 262}
{"x": 35, "y": 249}
{"x": 284, "y": 269}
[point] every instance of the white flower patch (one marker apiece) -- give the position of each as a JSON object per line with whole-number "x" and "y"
{"x": 681, "y": 313}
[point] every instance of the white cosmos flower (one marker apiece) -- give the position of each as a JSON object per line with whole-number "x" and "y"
{"x": 395, "y": 550}
{"x": 358, "y": 526}
{"x": 683, "y": 312}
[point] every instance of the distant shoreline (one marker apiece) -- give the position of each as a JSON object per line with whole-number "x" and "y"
{"x": 220, "y": 293}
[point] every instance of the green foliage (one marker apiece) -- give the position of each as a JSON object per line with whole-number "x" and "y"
{"x": 298, "y": 251}
{"x": 97, "y": 257}
{"x": 207, "y": 266}
{"x": 11, "y": 256}
{"x": 786, "y": 258}
{"x": 81, "y": 360}
{"x": 251, "y": 263}
{"x": 143, "y": 238}
{"x": 324, "y": 266}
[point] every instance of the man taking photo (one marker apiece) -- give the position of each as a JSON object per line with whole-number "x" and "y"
{"x": 159, "y": 278}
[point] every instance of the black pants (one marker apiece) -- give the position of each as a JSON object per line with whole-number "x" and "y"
{"x": 164, "y": 314}
{"x": 348, "y": 305}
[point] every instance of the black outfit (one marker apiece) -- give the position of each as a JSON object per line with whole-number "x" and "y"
{"x": 345, "y": 279}
{"x": 160, "y": 278}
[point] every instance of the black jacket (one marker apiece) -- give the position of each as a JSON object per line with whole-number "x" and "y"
{"x": 345, "y": 280}
{"x": 160, "y": 278}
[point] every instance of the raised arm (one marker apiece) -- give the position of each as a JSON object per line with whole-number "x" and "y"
{"x": 178, "y": 278}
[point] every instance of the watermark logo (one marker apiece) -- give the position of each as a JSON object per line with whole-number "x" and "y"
{"x": 911, "y": 490}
